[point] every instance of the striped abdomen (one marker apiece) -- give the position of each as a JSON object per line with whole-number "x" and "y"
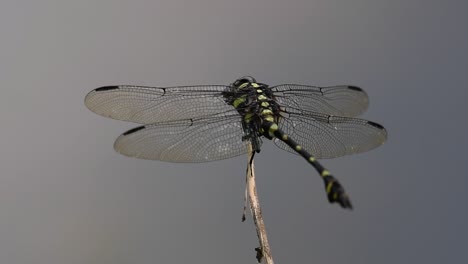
{"x": 335, "y": 191}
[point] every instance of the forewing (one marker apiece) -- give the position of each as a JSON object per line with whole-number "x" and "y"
{"x": 146, "y": 105}
{"x": 185, "y": 140}
{"x": 326, "y": 136}
{"x": 342, "y": 100}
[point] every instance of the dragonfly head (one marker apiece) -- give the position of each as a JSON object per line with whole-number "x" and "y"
{"x": 244, "y": 81}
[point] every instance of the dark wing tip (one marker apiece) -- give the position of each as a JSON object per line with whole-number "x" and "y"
{"x": 355, "y": 88}
{"x": 375, "y": 125}
{"x": 91, "y": 95}
{"x": 133, "y": 130}
{"x": 106, "y": 88}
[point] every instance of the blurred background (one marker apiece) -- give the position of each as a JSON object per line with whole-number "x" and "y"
{"x": 67, "y": 197}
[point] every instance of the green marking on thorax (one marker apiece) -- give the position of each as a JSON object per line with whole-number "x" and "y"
{"x": 243, "y": 85}
{"x": 239, "y": 101}
{"x": 248, "y": 116}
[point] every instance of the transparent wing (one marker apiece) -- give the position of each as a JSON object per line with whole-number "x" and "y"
{"x": 185, "y": 140}
{"x": 327, "y": 136}
{"x": 146, "y": 105}
{"x": 343, "y": 100}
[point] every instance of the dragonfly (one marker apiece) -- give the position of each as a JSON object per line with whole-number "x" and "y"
{"x": 202, "y": 123}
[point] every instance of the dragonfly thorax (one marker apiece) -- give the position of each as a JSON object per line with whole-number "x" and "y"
{"x": 257, "y": 107}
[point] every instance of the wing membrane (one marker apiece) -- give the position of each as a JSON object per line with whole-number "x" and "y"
{"x": 146, "y": 105}
{"x": 185, "y": 140}
{"x": 327, "y": 136}
{"x": 343, "y": 100}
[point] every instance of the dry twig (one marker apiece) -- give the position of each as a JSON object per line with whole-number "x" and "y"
{"x": 263, "y": 252}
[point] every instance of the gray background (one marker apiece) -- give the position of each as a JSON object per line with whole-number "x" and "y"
{"x": 67, "y": 197}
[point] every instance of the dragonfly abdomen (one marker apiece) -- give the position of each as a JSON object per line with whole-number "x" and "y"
{"x": 333, "y": 188}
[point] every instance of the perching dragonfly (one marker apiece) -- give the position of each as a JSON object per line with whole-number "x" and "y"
{"x": 214, "y": 122}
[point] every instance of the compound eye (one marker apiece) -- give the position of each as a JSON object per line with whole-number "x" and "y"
{"x": 244, "y": 80}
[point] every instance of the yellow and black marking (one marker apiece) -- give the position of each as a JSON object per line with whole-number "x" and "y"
{"x": 254, "y": 103}
{"x": 335, "y": 191}
{"x": 261, "y": 114}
